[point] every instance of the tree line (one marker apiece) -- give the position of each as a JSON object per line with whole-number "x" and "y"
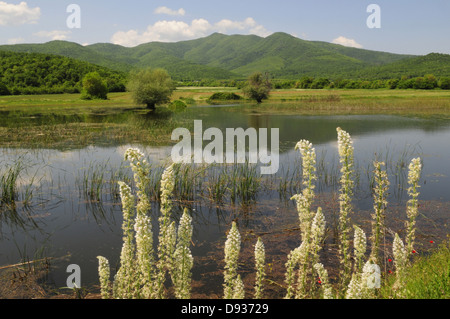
{"x": 36, "y": 73}
{"x": 426, "y": 82}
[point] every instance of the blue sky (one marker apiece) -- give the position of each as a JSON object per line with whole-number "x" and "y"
{"x": 407, "y": 26}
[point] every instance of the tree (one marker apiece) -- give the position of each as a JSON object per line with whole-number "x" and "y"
{"x": 151, "y": 87}
{"x": 258, "y": 87}
{"x": 444, "y": 83}
{"x": 4, "y": 90}
{"x": 94, "y": 87}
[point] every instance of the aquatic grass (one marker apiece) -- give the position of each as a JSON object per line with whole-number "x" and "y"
{"x": 18, "y": 185}
{"x": 8, "y": 184}
{"x": 189, "y": 181}
{"x": 217, "y": 184}
{"x": 93, "y": 182}
{"x": 327, "y": 172}
{"x": 243, "y": 183}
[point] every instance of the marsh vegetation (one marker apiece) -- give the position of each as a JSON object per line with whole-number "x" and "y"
{"x": 62, "y": 159}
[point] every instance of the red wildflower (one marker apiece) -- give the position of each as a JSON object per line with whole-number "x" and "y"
{"x": 390, "y": 260}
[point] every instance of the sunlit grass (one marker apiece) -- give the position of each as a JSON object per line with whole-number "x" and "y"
{"x": 428, "y": 277}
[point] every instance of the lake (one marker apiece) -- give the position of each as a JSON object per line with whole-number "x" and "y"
{"x": 67, "y": 206}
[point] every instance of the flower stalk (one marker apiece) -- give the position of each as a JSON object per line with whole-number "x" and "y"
{"x": 412, "y": 209}
{"x": 233, "y": 283}
{"x": 260, "y": 261}
{"x": 346, "y": 159}
{"x": 380, "y": 204}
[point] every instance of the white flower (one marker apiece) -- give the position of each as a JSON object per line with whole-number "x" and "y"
{"x": 104, "y": 275}
{"x": 354, "y": 288}
{"x": 232, "y": 250}
{"x": 412, "y": 206}
{"x": 260, "y": 258}
{"x": 415, "y": 168}
{"x": 360, "y": 244}
{"x": 345, "y": 146}
{"x": 167, "y": 187}
{"x": 380, "y": 203}
{"x": 298, "y": 256}
{"x": 400, "y": 253}
{"x": 324, "y": 283}
{"x": 308, "y": 154}
{"x": 317, "y": 234}
{"x": 183, "y": 260}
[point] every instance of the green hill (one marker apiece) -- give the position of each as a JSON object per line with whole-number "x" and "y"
{"x": 220, "y": 56}
{"x": 72, "y": 50}
{"x": 433, "y": 63}
{"x": 38, "y": 73}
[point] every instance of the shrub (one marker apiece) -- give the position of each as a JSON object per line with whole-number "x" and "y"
{"x": 177, "y": 105}
{"x": 224, "y": 96}
{"x": 94, "y": 87}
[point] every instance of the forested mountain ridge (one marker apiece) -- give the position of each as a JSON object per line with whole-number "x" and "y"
{"x": 228, "y": 57}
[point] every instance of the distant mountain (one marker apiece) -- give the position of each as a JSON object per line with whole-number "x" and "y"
{"x": 220, "y": 56}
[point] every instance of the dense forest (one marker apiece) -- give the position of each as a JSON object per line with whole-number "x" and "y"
{"x": 35, "y": 73}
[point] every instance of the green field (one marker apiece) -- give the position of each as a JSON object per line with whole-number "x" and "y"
{"x": 334, "y": 100}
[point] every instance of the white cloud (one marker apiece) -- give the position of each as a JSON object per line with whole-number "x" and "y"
{"x": 347, "y": 42}
{"x": 53, "y": 35}
{"x": 16, "y": 40}
{"x": 172, "y": 31}
{"x": 168, "y": 11}
{"x": 17, "y": 14}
